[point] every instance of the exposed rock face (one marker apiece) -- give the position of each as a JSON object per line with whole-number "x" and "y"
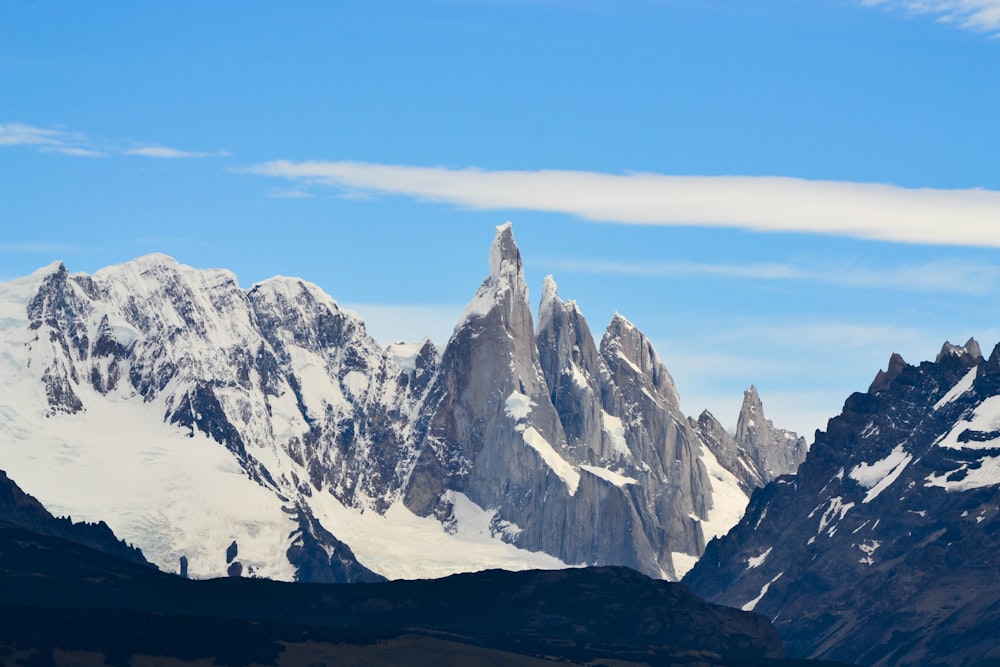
{"x": 882, "y": 550}
{"x": 775, "y": 451}
{"x": 552, "y": 432}
{"x": 759, "y": 452}
{"x": 357, "y": 423}
{"x": 544, "y": 440}
{"x": 730, "y": 453}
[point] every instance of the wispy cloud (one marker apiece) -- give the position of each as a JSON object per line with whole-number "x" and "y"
{"x": 291, "y": 194}
{"x": 760, "y": 203}
{"x": 58, "y": 140}
{"x": 163, "y": 152}
{"x": 980, "y": 15}
{"x": 941, "y": 276}
{"x": 16, "y": 134}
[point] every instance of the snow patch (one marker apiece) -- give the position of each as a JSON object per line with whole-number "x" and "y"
{"x": 682, "y": 563}
{"x": 406, "y": 354}
{"x": 835, "y": 513}
{"x": 169, "y": 494}
{"x": 878, "y": 476}
{"x": 966, "y": 477}
{"x": 402, "y": 545}
{"x": 985, "y": 419}
{"x": 757, "y": 561}
{"x": 615, "y": 431}
{"x": 615, "y": 478}
{"x": 518, "y": 406}
{"x": 962, "y": 386}
{"x": 728, "y": 500}
{"x": 749, "y": 606}
{"x": 558, "y": 464}
{"x": 868, "y": 548}
{"x": 356, "y": 383}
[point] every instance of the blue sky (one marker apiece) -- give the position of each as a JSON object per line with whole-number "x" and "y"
{"x": 780, "y": 192}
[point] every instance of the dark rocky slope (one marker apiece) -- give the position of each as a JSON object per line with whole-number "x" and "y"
{"x": 884, "y": 548}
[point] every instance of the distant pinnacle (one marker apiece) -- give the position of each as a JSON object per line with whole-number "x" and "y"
{"x": 884, "y": 378}
{"x": 504, "y": 250}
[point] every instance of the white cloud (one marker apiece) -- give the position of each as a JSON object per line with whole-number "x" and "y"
{"x": 49, "y": 140}
{"x": 291, "y": 194}
{"x": 56, "y": 140}
{"x": 760, "y": 203}
{"x": 75, "y": 151}
{"x": 942, "y": 276}
{"x": 16, "y": 134}
{"x": 980, "y": 15}
{"x": 163, "y": 152}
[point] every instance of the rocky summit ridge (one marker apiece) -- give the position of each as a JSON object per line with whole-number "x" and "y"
{"x": 882, "y": 550}
{"x": 264, "y": 432}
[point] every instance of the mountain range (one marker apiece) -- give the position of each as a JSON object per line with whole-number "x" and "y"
{"x": 882, "y": 550}
{"x": 264, "y": 433}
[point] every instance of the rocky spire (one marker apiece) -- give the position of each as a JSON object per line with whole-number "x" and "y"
{"x": 970, "y": 351}
{"x": 775, "y": 451}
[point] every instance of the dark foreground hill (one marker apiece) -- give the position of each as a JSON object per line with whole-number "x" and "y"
{"x": 63, "y": 603}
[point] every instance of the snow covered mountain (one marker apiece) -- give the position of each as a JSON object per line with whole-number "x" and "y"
{"x": 882, "y": 550}
{"x": 265, "y": 433}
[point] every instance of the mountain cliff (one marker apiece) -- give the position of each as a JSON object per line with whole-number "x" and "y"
{"x": 263, "y": 432}
{"x": 882, "y": 550}
{"x": 758, "y": 452}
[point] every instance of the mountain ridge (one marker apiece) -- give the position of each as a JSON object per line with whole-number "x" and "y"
{"x": 343, "y": 448}
{"x": 881, "y": 550}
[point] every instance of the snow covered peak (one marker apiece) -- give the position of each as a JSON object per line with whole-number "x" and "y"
{"x": 55, "y": 267}
{"x": 505, "y": 258}
{"x": 504, "y": 288}
{"x": 298, "y": 291}
{"x": 160, "y": 275}
{"x": 155, "y": 261}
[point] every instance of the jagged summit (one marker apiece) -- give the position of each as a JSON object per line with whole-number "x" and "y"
{"x": 504, "y": 289}
{"x": 505, "y": 258}
{"x": 970, "y": 349}
{"x": 623, "y": 342}
{"x": 885, "y": 377}
{"x": 774, "y": 451}
{"x": 549, "y": 302}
